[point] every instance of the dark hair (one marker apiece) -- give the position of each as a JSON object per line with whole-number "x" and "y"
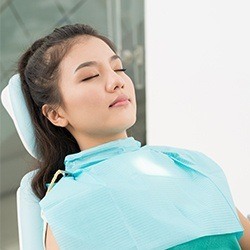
{"x": 38, "y": 69}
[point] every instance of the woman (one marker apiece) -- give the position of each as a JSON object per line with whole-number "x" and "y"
{"x": 114, "y": 194}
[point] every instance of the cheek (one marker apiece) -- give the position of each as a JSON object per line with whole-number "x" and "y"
{"x": 129, "y": 81}
{"x": 84, "y": 102}
{"x": 93, "y": 100}
{"x": 131, "y": 89}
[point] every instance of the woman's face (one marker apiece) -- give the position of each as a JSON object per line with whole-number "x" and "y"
{"x": 91, "y": 78}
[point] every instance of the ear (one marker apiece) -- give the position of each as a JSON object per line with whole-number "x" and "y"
{"x": 56, "y": 117}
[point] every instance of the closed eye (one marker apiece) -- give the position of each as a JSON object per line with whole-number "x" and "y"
{"x": 121, "y": 70}
{"x": 88, "y": 78}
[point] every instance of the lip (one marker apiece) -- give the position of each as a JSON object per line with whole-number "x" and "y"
{"x": 120, "y": 100}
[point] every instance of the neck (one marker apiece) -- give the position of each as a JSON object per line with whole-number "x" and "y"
{"x": 89, "y": 141}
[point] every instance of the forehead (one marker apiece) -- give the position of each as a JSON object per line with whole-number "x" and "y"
{"x": 88, "y": 49}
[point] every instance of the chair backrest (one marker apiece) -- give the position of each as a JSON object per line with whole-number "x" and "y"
{"x": 30, "y": 222}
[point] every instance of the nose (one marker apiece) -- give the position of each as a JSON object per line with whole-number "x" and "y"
{"x": 114, "y": 81}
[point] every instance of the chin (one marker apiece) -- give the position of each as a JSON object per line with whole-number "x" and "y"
{"x": 130, "y": 123}
{"x": 122, "y": 126}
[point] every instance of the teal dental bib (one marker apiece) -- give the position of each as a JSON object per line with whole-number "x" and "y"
{"x": 120, "y": 195}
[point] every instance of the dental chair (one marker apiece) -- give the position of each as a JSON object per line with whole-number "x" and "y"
{"x": 30, "y": 222}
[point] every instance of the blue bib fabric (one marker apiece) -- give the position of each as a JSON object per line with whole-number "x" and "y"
{"x": 124, "y": 196}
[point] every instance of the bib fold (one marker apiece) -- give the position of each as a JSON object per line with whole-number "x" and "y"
{"x": 120, "y": 195}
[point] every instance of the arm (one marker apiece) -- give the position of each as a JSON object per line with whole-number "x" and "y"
{"x": 245, "y": 239}
{"x": 50, "y": 240}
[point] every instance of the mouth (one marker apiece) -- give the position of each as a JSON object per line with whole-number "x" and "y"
{"x": 121, "y": 100}
{"x": 120, "y": 103}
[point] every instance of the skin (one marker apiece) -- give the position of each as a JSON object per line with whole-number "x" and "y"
{"x": 85, "y": 111}
{"x": 245, "y": 239}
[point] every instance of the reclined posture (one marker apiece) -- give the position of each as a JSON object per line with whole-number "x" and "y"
{"x": 72, "y": 104}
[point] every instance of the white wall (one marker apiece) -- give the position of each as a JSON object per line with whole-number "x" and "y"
{"x": 198, "y": 83}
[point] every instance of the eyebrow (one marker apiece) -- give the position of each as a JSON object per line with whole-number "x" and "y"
{"x": 94, "y": 63}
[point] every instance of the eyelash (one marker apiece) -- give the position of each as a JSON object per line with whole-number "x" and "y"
{"x": 88, "y": 78}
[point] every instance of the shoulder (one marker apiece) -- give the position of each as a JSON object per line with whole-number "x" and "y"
{"x": 174, "y": 151}
{"x": 193, "y": 158}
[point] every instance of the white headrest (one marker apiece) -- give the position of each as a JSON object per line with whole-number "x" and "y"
{"x": 13, "y": 101}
